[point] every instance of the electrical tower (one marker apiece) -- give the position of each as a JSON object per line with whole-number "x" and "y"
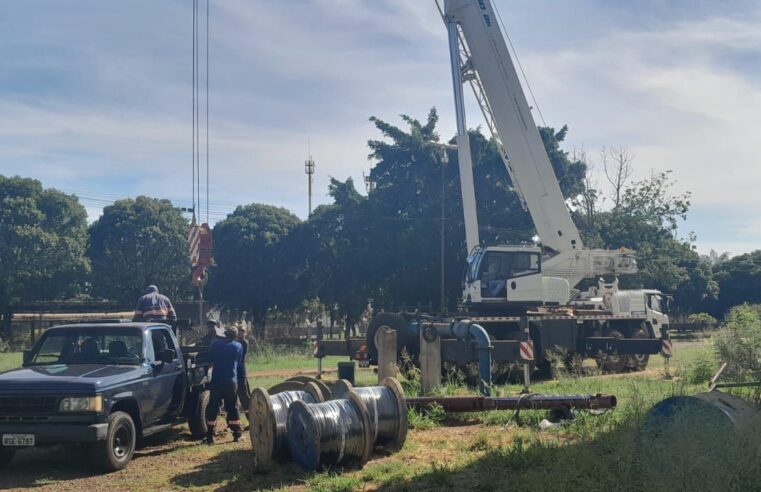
{"x": 309, "y": 170}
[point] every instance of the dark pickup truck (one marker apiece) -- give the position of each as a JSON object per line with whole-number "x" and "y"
{"x": 104, "y": 385}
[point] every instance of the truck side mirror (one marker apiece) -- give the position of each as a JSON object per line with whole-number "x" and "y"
{"x": 167, "y": 356}
{"x": 27, "y": 356}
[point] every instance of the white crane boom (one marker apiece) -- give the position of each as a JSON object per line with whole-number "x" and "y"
{"x": 525, "y": 157}
{"x": 480, "y": 55}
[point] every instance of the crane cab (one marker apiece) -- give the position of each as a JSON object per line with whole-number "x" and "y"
{"x": 507, "y": 276}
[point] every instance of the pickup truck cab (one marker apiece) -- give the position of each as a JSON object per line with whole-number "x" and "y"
{"x": 105, "y": 385}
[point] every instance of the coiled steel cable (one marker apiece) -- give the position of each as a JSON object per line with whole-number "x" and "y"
{"x": 330, "y": 433}
{"x": 386, "y": 408}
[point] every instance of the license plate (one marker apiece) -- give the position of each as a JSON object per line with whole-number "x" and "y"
{"x": 18, "y": 439}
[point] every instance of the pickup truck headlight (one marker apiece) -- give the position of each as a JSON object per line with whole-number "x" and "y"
{"x": 81, "y": 404}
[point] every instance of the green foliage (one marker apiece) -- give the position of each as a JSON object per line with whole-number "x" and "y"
{"x": 44, "y": 238}
{"x": 739, "y": 280}
{"x": 738, "y": 343}
{"x": 702, "y": 318}
{"x": 136, "y": 243}
{"x": 246, "y": 246}
{"x": 701, "y": 370}
{"x": 430, "y": 418}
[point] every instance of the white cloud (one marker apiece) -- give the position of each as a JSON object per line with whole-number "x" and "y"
{"x": 115, "y": 118}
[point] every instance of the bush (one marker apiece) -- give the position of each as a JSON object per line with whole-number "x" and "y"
{"x": 701, "y": 370}
{"x": 739, "y": 342}
{"x": 703, "y": 318}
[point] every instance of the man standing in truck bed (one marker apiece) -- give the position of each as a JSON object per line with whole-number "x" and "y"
{"x": 154, "y": 307}
{"x": 229, "y": 370}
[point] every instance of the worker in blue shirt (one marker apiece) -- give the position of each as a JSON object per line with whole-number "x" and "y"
{"x": 229, "y": 371}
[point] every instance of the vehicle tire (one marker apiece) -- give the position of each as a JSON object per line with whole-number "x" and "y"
{"x": 115, "y": 452}
{"x": 612, "y": 363}
{"x": 197, "y": 419}
{"x": 638, "y": 362}
{"x": 404, "y": 338}
{"x": 6, "y": 455}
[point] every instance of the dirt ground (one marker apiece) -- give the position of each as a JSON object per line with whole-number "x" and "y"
{"x": 172, "y": 461}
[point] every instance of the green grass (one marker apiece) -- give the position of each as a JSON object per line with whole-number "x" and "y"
{"x": 10, "y": 360}
{"x": 496, "y": 450}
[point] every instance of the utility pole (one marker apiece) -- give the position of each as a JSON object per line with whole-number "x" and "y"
{"x": 309, "y": 170}
{"x": 444, "y": 161}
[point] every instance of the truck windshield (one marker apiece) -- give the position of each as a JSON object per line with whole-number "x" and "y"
{"x": 89, "y": 346}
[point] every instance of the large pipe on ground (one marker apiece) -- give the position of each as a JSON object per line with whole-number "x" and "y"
{"x": 712, "y": 408}
{"x": 523, "y": 402}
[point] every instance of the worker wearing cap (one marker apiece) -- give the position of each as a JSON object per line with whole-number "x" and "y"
{"x": 244, "y": 392}
{"x": 154, "y": 306}
{"x": 212, "y": 333}
{"x": 229, "y": 371}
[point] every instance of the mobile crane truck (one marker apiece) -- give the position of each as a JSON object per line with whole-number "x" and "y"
{"x": 522, "y": 293}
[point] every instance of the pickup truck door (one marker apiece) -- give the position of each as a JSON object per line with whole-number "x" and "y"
{"x": 168, "y": 377}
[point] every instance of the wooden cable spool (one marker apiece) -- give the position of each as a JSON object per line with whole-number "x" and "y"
{"x": 326, "y": 392}
{"x": 387, "y": 408}
{"x": 268, "y": 415}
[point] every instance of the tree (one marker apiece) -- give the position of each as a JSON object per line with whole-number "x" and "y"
{"x": 138, "y": 242}
{"x": 739, "y": 280}
{"x": 246, "y": 246}
{"x": 618, "y": 169}
{"x": 329, "y": 257}
{"x": 44, "y": 238}
{"x": 406, "y": 212}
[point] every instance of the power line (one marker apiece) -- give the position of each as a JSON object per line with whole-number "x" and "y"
{"x": 207, "y": 111}
{"x": 193, "y": 151}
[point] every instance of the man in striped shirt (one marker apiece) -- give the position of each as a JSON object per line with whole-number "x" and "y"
{"x": 154, "y": 307}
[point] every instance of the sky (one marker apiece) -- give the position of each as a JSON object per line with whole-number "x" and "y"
{"x": 95, "y": 96}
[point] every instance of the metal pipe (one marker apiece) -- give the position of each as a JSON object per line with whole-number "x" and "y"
{"x": 465, "y": 329}
{"x": 523, "y": 402}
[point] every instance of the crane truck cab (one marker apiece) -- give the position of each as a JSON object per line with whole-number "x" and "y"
{"x": 510, "y": 277}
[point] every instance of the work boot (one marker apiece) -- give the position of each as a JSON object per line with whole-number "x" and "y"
{"x": 209, "y": 439}
{"x": 236, "y": 432}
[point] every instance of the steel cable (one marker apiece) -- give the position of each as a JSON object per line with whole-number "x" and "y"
{"x": 280, "y": 404}
{"x": 383, "y": 410}
{"x": 330, "y": 433}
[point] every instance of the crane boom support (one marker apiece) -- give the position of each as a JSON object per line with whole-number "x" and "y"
{"x": 526, "y": 158}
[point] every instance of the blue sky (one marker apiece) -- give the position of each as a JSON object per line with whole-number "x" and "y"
{"x": 95, "y": 95}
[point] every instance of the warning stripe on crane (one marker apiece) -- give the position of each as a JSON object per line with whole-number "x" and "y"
{"x": 667, "y": 348}
{"x": 194, "y": 243}
{"x": 527, "y": 350}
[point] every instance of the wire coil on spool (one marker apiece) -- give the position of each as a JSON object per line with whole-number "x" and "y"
{"x": 330, "y": 433}
{"x": 386, "y": 407}
{"x": 268, "y": 417}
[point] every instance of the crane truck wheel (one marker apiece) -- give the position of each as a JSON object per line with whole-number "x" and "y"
{"x": 612, "y": 363}
{"x": 404, "y": 339}
{"x": 638, "y": 362}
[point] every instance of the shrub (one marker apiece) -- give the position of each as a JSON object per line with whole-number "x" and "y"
{"x": 703, "y": 318}
{"x": 739, "y": 342}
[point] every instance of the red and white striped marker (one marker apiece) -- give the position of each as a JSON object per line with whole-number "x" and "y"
{"x": 667, "y": 348}
{"x": 527, "y": 350}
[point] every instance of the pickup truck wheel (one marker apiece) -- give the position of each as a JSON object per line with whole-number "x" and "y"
{"x": 197, "y": 420}
{"x": 6, "y": 455}
{"x": 115, "y": 452}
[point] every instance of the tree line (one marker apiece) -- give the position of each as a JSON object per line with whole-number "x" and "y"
{"x": 383, "y": 247}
